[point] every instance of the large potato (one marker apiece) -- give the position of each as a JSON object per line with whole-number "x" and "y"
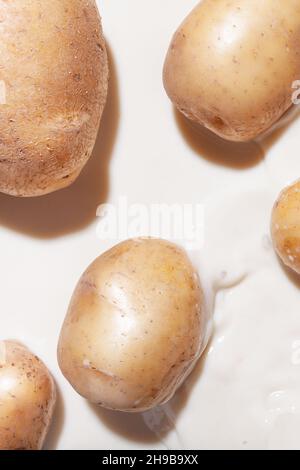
{"x": 27, "y": 398}
{"x": 285, "y": 226}
{"x": 135, "y": 326}
{"x": 53, "y": 81}
{"x": 232, "y": 63}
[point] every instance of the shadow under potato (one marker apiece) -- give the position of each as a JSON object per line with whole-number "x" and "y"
{"x": 129, "y": 425}
{"x": 217, "y": 150}
{"x": 292, "y": 275}
{"x": 73, "y": 208}
{"x": 236, "y": 155}
{"x": 133, "y": 427}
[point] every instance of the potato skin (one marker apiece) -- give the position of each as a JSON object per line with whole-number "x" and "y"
{"x": 232, "y": 63}
{"x": 53, "y": 65}
{"x": 285, "y": 226}
{"x": 135, "y": 326}
{"x": 27, "y": 398}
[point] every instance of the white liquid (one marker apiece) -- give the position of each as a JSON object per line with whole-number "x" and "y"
{"x": 245, "y": 390}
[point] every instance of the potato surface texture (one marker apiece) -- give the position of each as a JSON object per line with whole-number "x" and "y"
{"x": 53, "y": 82}
{"x": 232, "y": 63}
{"x": 27, "y": 398}
{"x": 134, "y": 328}
{"x": 285, "y": 226}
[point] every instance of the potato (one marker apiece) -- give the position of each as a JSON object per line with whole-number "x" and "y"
{"x": 285, "y": 226}
{"x": 135, "y": 326}
{"x": 27, "y": 398}
{"x": 231, "y": 65}
{"x": 53, "y": 87}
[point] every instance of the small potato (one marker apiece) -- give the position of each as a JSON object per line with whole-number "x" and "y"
{"x": 53, "y": 87}
{"x": 231, "y": 65}
{"x": 27, "y": 398}
{"x": 135, "y": 326}
{"x": 285, "y": 226}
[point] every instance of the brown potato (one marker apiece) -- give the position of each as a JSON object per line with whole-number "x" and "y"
{"x": 53, "y": 87}
{"x": 27, "y": 398}
{"x": 231, "y": 65}
{"x": 285, "y": 226}
{"x": 135, "y": 326}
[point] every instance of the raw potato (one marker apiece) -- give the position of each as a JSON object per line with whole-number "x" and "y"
{"x": 232, "y": 63}
{"x": 27, "y": 398}
{"x": 53, "y": 87}
{"x": 135, "y": 326}
{"x": 285, "y": 226}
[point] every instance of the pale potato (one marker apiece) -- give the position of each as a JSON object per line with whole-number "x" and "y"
{"x": 53, "y": 87}
{"x": 285, "y": 226}
{"x": 232, "y": 63}
{"x": 135, "y": 326}
{"x": 27, "y": 398}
